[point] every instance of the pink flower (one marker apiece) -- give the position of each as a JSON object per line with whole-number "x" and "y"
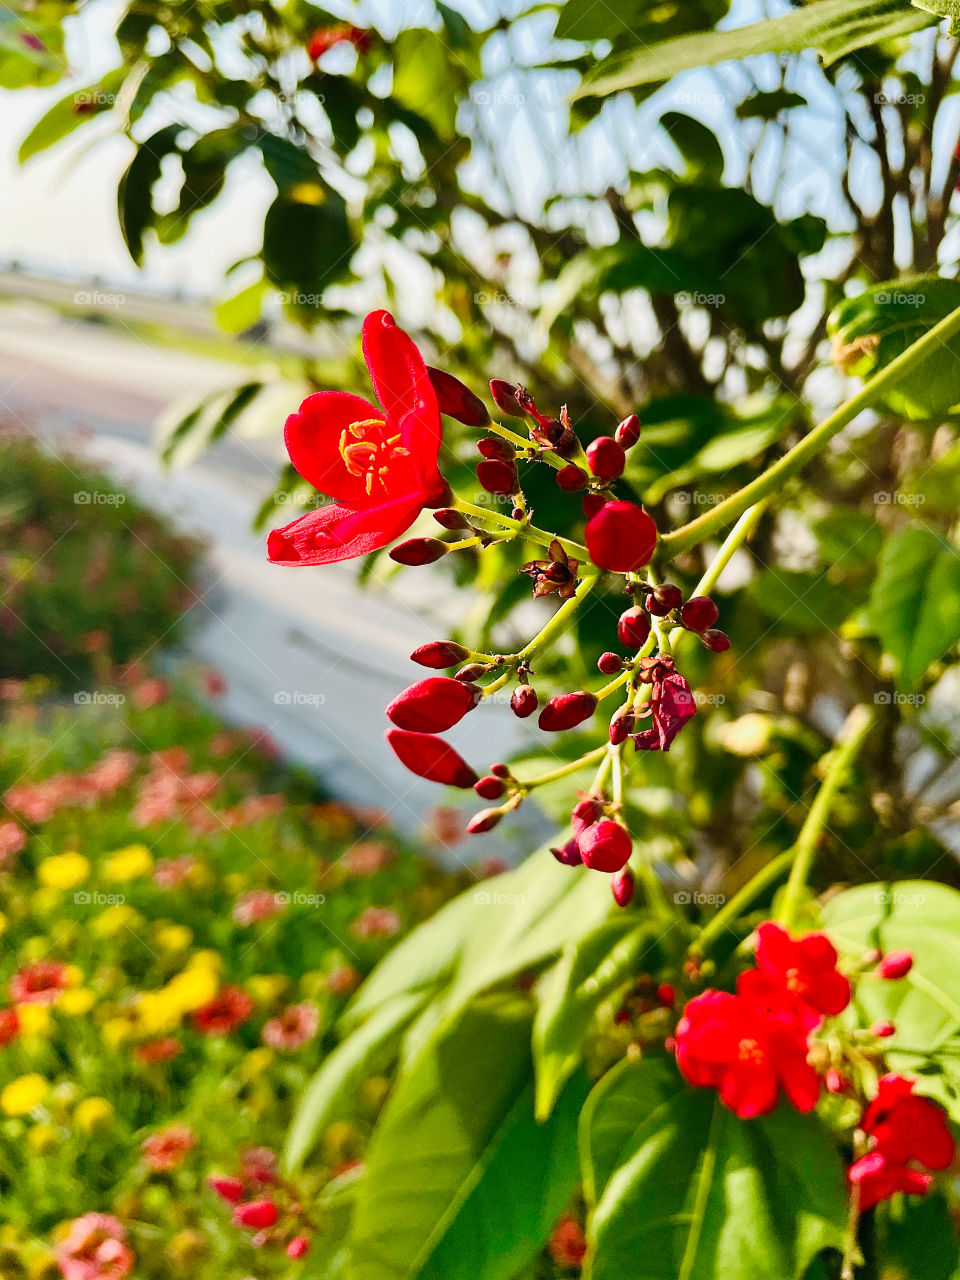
{"x": 152, "y": 692}
{"x": 13, "y": 838}
{"x": 367, "y": 859}
{"x": 342, "y": 980}
{"x": 168, "y": 1148}
{"x": 293, "y": 1029}
{"x": 39, "y": 983}
{"x": 170, "y": 872}
{"x": 377, "y": 922}
{"x": 256, "y": 1214}
{"x": 258, "y": 904}
{"x": 95, "y": 1249}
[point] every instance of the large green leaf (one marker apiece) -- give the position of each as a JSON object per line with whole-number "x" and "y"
{"x": 922, "y": 917}
{"x": 833, "y": 27}
{"x": 685, "y": 1190}
{"x": 183, "y": 437}
{"x": 640, "y": 21}
{"x": 135, "y": 192}
{"x": 461, "y": 1184}
{"x": 70, "y": 112}
{"x": 307, "y": 243}
{"x": 873, "y": 328}
{"x": 915, "y": 604}
{"x": 942, "y": 9}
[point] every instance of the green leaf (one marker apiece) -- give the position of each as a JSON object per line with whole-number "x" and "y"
{"x": 461, "y": 1184}
{"x": 588, "y": 972}
{"x": 242, "y": 310}
{"x": 638, "y": 20}
{"x": 870, "y": 330}
{"x": 135, "y": 192}
{"x": 71, "y": 112}
{"x": 422, "y": 79}
{"x": 798, "y": 601}
{"x": 833, "y": 27}
{"x": 31, "y": 45}
{"x": 924, "y": 918}
{"x": 697, "y": 144}
{"x": 307, "y": 243}
{"x": 937, "y": 486}
{"x": 919, "y": 1239}
{"x": 942, "y": 9}
{"x": 685, "y": 1190}
{"x": 767, "y": 105}
{"x": 915, "y": 604}
{"x": 368, "y": 1051}
{"x": 182, "y": 439}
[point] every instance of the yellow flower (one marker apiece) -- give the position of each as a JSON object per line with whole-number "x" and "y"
{"x": 45, "y": 901}
{"x": 192, "y": 988}
{"x": 235, "y": 882}
{"x": 115, "y": 920}
{"x": 34, "y": 1019}
{"x": 3, "y": 924}
{"x": 63, "y": 871}
{"x": 268, "y": 988}
{"x": 256, "y": 1062}
{"x": 75, "y": 1002}
{"x": 22, "y": 1095}
{"x": 92, "y": 1114}
{"x": 211, "y": 960}
{"x": 42, "y": 1137}
{"x": 115, "y": 1031}
{"x": 200, "y": 876}
{"x": 129, "y": 863}
{"x": 172, "y": 937}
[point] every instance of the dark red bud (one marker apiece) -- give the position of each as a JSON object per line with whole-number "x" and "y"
{"x": 666, "y": 995}
{"x": 699, "y": 613}
{"x": 623, "y": 885}
{"x": 605, "y": 846}
{"x": 439, "y": 654}
{"x": 621, "y": 537}
{"x": 450, "y": 518}
{"x": 605, "y": 458}
{"x": 567, "y": 710}
{"x": 883, "y": 1030}
{"x": 485, "y": 820}
{"x": 229, "y": 1189}
{"x": 504, "y": 396}
{"x": 585, "y": 813}
{"x": 895, "y": 965}
{"x": 456, "y": 400}
{"x": 592, "y": 502}
{"x": 256, "y": 1214}
{"x": 432, "y": 705}
{"x": 609, "y": 664}
{"x": 498, "y": 477}
{"x": 716, "y": 641}
{"x": 628, "y": 432}
{"x": 669, "y": 595}
{"x": 524, "y": 701}
{"x": 493, "y": 447}
{"x": 431, "y": 758}
{"x": 621, "y": 726}
{"x": 567, "y": 443}
{"x": 572, "y": 479}
{"x": 500, "y": 770}
{"x": 472, "y": 672}
{"x": 568, "y": 855}
{"x": 418, "y": 551}
{"x": 490, "y": 787}
{"x": 633, "y": 628}
{"x": 517, "y": 513}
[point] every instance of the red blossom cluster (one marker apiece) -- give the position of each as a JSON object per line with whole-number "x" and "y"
{"x": 905, "y": 1130}
{"x": 265, "y": 1204}
{"x": 95, "y": 1248}
{"x": 42, "y": 982}
{"x": 169, "y": 1148}
{"x": 230, "y": 1008}
{"x": 41, "y": 801}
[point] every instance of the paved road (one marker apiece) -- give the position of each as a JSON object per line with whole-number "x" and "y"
{"x": 310, "y": 655}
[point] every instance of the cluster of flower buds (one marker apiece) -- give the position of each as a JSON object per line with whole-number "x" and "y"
{"x": 264, "y": 1204}
{"x": 601, "y": 843}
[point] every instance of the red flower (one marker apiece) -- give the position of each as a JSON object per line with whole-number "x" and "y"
{"x": 749, "y": 1046}
{"x": 293, "y": 1028}
{"x": 906, "y": 1126}
{"x": 379, "y": 464}
{"x": 325, "y": 38}
{"x": 620, "y": 537}
{"x": 432, "y": 705}
{"x": 605, "y": 846}
{"x": 228, "y": 1009}
{"x": 806, "y": 966}
{"x": 879, "y": 1179}
{"x": 894, "y": 965}
{"x": 39, "y": 983}
{"x": 152, "y": 1051}
{"x": 9, "y": 1026}
{"x": 256, "y": 1214}
{"x": 229, "y": 1189}
{"x": 568, "y": 1244}
{"x": 168, "y": 1148}
{"x": 671, "y": 705}
{"x": 431, "y": 758}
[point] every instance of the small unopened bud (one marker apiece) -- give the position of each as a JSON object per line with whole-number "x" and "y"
{"x": 490, "y": 787}
{"x": 835, "y": 1081}
{"x": 524, "y": 701}
{"x": 567, "y": 710}
{"x": 716, "y": 641}
{"x": 609, "y": 664}
{"x": 229, "y": 1189}
{"x": 298, "y": 1247}
{"x": 440, "y": 654}
{"x": 883, "y": 1030}
{"x": 432, "y": 705}
{"x": 568, "y": 855}
{"x": 456, "y": 400}
{"x": 572, "y": 479}
{"x": 256, "y": 1214}
{"x": 418, "y": 551}
{"x": 518, "y": 513}
{"x": 500, "y": 770}
{"x": 485, "y": 820}
{"x": 623, "y": 885}
{"x": 504, "y": 395}
{"x": 621, "y": 537}
{"x": 605, "y": 458}
{"x": 498, "y": 477}
{"x": 567, "y": 443}
{"x": 585, "y": 813}
{"x": 669, "y": 595}
{"x": 451, "y": 518}
{"x": 699, "y": 613}
{"x": 472, "y": 672}
{"x": 666, "y": 995}
{"x": 633, "y": 628}
{"x": 493, "y": 447}
{"x": 628, "y": 432}
{"x": 430, "y": 757}
{"x": 894, "y": 965}
{"x": 605, "y": 846}
{"x": 621, "y": 726}
{"x": 592, "y": 502}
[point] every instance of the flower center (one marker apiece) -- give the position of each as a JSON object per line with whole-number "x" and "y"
{"x": 749, "y": 1051}
{"x": 795, "y": 982}
{"x": 368, "y": 451}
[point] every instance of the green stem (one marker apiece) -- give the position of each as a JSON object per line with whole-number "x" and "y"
{"x": 741, "y": 900}
{"x": 564, "y": 771}
{"x": 520, "y": 528}
{"x": 776, "y": 475}
{"x": 559, "y": 619}
{"x": 528, "y": 449}
{"x": 851, "y": 739}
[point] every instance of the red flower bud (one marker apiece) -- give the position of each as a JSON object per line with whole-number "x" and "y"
{"x": 592, "y": 502}
{"x": 883, "y": 1030}
{"x": 633, "y": 628}
{"x": 605, "y": 458}
{"x": 609, "y": 664}
{"x": 585, "y": 813}
{"x": 490, "y": 787}
{"x": 431, "y": 758}
{"x": 568, "y": 855}
{"x": 699, "y": 613}
{"x": 621, "y": 726}
{"x": 524, "y": 701}
{"x": 439, "y": 654}
{"x": 567, "y": 710}
{"x": 298, "y": 1247}
{"x": 835, "y": 1081}
{"x": 494, "y": 448}
{"x": 471, "y": 672}
{"x": 666, "y": 995}
{"x": 500, "y": 770}
{"x": 716, "y": 641}
{"x": 572, "y": 479}
{"x": 498, "y": 477}
{"x": 256, "y": 1214}
{"x": 485, "y": 820}
{"x": 605, "y": 846}
{"x": 895, "y": 964}
{"x": 623, "y": 885}
{"x": 432, "y": 705}
{"x": 418, "y": 551}
{"x": 621, "y": 537}
{"x": 229, "y": 1189}
{"x": 451, "y": 518}
{"x": 504, "y": 395}
{"x": 456, "y": 400}
{"x": 628, "y": 432}
{"x": 668, "y": 595}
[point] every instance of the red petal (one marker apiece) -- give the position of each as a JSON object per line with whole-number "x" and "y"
{"x": 430, "y": 757}
{"x": 432, "y": 705}
{"x": 403, "y": 387}
{"x": 800, "y": 1082}
{"x": 312, "y": 436}
{"x": 340, "y": 533}
{"x": 750, "y": 1089}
